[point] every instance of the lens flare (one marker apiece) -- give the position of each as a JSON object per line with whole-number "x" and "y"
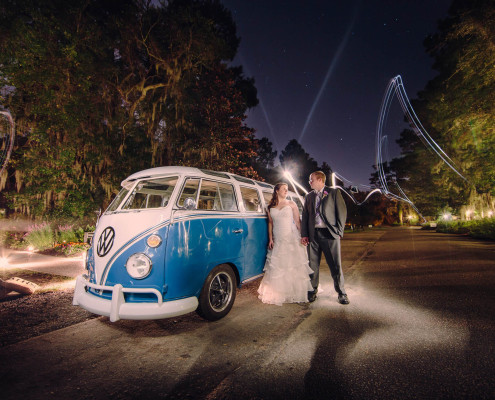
{"x": 4, "y": 262}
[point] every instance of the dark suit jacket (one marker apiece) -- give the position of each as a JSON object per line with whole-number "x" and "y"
{"x": 333, "y": 211}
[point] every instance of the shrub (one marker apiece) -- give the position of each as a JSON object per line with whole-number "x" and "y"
{"x": 66, "y": 233}
{"x": 479, "y": 228}
{"x": 71, "y": 248}
{"x": 483, "y": 228}
{"x": 80, "y": 232}
{"x": 40, "y": 236}
{"x": 14, "y": 240}
{"x": 79, "y": 235}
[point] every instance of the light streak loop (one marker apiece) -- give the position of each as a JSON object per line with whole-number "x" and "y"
{"x": 396, "y": 86}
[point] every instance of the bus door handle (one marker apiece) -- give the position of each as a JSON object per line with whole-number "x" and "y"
{"x": 239, "y": 231}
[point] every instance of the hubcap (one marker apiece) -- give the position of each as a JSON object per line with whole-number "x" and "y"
{"x": 220, "y": 291}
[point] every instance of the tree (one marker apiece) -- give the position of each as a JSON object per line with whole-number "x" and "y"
{"x": 163, "y": 54}
{"x": 299, "y": 163}
{"x": 121, "y": 97}
{"x": 458, "y": 110}
{"x": 264, "y": 160}
{"x": 215, "y": 136}
{"x": 461, "y": 99}
{"x": 326, "y": 169}
{"x": 377, "y": 210}
{"x": 57, "y": 56}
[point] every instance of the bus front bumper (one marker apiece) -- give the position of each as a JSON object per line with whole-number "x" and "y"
{"x": 117, "y": 308}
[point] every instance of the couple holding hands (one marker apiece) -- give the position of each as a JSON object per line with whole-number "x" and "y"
{"x": 295, "y": 247}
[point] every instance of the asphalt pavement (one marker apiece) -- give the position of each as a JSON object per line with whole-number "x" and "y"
{"x": 420, "y": 326}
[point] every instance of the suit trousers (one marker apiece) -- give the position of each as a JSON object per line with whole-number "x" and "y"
{"x": 324, "y": 243}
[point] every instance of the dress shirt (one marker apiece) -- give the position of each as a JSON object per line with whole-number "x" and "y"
{"x": 318, "y": 218}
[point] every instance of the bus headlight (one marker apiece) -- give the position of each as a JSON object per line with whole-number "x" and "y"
{"x": 138, "y": 266}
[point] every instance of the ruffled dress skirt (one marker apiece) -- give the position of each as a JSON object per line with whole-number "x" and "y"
{"x": 287, "y": 270}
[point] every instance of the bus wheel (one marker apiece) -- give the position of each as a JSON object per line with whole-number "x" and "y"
{"x": 218, "y": 293}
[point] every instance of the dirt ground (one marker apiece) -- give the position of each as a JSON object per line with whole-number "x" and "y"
{"x": 48, "y": 309}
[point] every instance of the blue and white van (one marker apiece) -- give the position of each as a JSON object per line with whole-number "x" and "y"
{"x": 173, "y": 241}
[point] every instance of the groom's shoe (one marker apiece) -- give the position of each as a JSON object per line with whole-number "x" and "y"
{"x": 311, "y": 296}
{"x": 343, "y": 299}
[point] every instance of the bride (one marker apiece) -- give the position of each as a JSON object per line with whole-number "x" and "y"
{"x": 286, "y": 269}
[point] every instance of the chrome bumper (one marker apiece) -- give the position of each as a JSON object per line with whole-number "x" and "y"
{"x": 117, "y": 308}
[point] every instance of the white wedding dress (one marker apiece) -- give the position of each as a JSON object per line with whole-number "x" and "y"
{"x": 287, "y": 268}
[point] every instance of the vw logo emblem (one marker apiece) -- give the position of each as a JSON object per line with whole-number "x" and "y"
{"x": 105, "y": 242}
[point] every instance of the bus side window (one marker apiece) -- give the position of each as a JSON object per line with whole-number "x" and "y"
{"x": 227, "y": 197}
{"x": 190, "y": 190}
{"x": 216, "y": 196}
{"x": 251, "y": 199}
{"x": 154, "y": 201}
{"x": 268, "y": 197}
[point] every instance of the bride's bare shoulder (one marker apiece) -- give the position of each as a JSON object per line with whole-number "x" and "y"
{"x": 293, "y": 204}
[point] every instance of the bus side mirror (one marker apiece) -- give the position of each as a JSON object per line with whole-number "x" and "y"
{"x": 354, "y": 189}
{"x": 189, "y": 204}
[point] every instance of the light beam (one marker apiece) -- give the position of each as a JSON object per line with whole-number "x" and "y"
{"x": 330, "y": 70}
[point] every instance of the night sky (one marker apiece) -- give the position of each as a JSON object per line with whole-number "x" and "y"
{"x": 321, "y": 68}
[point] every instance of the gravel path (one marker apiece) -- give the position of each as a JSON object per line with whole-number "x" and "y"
{"x": 24, "y": 317}
{"x": 49, "y": 309}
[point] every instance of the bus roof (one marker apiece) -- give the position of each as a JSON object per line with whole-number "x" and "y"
{"x": 160, "y": 171}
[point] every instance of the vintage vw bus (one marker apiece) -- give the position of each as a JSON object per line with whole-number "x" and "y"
{"x": 176, "y": 240}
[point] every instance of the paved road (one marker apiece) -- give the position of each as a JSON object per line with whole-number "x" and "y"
{"x": 64, "y": 266}
{"x": 420, "y": 325}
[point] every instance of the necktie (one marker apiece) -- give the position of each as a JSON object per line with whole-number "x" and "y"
{"x": 318, "y": 203}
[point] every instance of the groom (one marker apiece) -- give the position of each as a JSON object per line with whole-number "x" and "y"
{"x": 323, "y": 221}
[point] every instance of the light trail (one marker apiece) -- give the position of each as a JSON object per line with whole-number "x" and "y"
{"x": 351, "y": 183}
{"x": 395, "y": 87}
{"x": 293, "y": 182}
{"x": 335, "y": 186}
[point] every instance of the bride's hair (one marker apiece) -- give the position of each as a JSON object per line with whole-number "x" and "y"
{"x": 274, "y": 200}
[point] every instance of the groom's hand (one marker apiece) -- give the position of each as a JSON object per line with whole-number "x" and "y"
{"x": 305, "y": 241}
